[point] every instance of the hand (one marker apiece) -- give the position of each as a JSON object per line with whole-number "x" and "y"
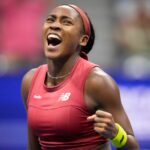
{"x": 104, "y": 124}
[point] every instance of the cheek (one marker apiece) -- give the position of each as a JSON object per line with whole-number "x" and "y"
{"x": 45, "y": 28}
{"x": 44, "y": 31}
{"x": 73, "y": 40}
{"x": 74, "y": 35}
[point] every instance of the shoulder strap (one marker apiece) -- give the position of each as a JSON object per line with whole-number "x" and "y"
{"x": 82, "y": 71}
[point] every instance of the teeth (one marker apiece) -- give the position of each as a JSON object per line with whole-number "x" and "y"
{"x": 53, "y": 39}
{"x": 53, "y": 36}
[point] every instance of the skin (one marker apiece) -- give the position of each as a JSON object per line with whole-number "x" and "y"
{"x": 101, "y": 92}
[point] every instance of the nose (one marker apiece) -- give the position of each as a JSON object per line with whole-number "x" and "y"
{"x": 55, "y": 26}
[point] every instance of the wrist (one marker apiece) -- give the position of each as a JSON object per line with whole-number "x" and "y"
{"x": 120, "y": 139}
{"x": 116, "y": 130}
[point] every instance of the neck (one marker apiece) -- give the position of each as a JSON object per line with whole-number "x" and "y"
{"x": 59, "y": 69}
{"x": 57, "y": 77}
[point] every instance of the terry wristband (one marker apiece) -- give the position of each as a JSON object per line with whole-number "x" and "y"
{"x": 121, "y": 138}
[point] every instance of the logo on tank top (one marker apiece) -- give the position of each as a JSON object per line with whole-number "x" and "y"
{"x": 64, "y": 96}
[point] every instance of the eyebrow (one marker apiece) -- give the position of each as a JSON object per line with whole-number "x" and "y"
{"x": 63, "y": 17}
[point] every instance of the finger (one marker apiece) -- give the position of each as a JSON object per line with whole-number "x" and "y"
{"x": 91, "y": 118}
{"x": 102, "y": 120}
{"x": 100, "y": 125}
{"x": 103, "y": 114}
{"x": 102, "y": 132}
{"x": 103, "y": 125}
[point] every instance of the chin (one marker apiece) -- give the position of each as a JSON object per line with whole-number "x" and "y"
{"x": 51, "y": 55}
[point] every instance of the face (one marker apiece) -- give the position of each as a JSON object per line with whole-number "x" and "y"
{"x": 63, "y": 33}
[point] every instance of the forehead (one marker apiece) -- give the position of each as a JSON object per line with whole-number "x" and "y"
{"x": 64, "y": 10}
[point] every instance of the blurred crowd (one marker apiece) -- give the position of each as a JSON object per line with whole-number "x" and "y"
{"x": 21, "y": 27}
{"x": 132, "y": 37}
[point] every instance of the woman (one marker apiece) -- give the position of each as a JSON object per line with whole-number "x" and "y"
{"x": 71, "y": 103}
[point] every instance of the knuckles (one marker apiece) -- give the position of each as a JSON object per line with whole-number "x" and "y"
{"x": 103, "y": 123}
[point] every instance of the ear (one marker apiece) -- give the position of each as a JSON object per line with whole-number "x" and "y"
{"x": 84, "y": 40}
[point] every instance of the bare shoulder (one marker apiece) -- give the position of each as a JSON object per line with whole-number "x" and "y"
{"x": 26, "y": 82}
{"x": 102, "y": 87}
{"x": 98, "y": 79}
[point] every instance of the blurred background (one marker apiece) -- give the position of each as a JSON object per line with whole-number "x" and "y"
{"x": 122, "y": 49}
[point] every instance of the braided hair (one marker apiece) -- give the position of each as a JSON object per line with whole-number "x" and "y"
{"x": 86, "y": 49}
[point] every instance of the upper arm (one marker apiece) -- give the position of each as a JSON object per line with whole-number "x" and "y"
{"x": 105, "y": 93}
{"x": 26, "y": 82}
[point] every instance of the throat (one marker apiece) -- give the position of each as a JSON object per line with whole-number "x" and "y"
{"x": 52, "y": 81}
{"x": 58, "y": 71}
{"x": 57, "y": 77}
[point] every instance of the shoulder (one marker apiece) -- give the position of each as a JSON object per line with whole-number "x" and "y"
{"x": 102, "y": 88}
{"x": 26, "y": 82}
{"x": 100, "y": 79}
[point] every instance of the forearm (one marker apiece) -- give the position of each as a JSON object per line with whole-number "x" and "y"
{"x": 33, "y": 143}
{"x": 123, "y": 140}
{"x": 131, "y": 144}
{"x": 33, "y": 146}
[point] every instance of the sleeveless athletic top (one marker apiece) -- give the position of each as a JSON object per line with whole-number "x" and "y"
{"x": 58, "y": 115}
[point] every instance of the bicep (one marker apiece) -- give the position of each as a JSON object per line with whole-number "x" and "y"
{"x": 24, "y": 91}
{"x": 26, "y": 82}
{"x": 33, "y": 143}
{"x": 113, "y": 104}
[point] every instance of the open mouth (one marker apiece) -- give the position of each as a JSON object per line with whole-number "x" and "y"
{"x": 53, "y": 39}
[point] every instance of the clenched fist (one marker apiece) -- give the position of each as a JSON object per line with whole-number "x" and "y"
{"x": 104, "y": 124}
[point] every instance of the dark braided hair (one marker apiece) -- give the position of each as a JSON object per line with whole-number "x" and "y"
{"x": 91, "y": 40}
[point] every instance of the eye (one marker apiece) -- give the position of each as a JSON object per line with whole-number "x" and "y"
{"x": 50, "y": 19}
{"x": 67, "y": 22}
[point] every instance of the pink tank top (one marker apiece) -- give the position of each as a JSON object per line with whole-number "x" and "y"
{"x": 58, "y": 115}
